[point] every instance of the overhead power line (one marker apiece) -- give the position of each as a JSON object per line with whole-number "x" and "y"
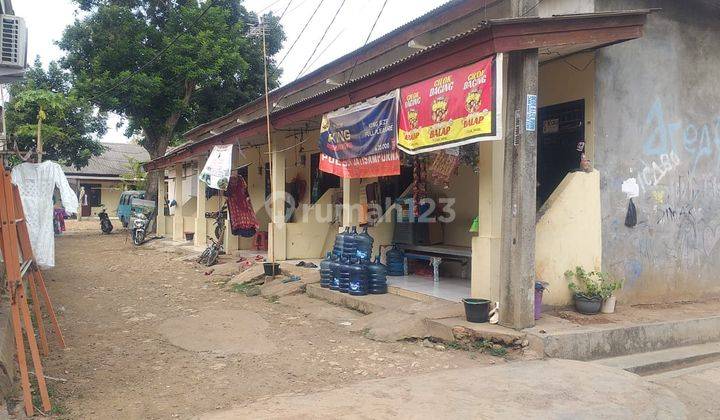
{"x": 297, "y": 38}
{"x": 285, "y": 10}
{"x": 327, "y": 29}
{"x": 372, "y": 28}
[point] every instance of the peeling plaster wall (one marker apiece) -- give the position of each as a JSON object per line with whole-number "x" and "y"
{"x": 658, "y": 120}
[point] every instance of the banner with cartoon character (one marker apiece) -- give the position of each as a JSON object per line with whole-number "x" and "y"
{"x": 454, "y": 108}
{"x": 381, "y": 164}
{"x": 363, "y": 129}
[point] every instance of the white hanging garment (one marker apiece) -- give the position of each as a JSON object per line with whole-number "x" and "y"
{"x": 37, "y": 182}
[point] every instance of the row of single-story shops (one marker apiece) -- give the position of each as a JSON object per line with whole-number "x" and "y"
{"x": 522, "y": 210}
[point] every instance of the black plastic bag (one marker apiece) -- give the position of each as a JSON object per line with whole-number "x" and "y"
{"x": 631, "y": 216}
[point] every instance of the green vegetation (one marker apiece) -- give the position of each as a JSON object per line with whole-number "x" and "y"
{"x": 592, "y": 284}
{"x": 167, "y": 66}
{"x": 69, "y": 126}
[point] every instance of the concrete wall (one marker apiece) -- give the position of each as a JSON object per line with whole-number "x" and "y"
{"x": 568, "y": 234}
{"x": 658, "y": 121}
{"x": 463, "y": 188}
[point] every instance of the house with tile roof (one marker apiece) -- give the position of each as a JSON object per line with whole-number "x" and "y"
{"x": 102, "y": 179}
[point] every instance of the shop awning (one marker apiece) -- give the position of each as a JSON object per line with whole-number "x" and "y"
{"x": 554, "y": 37}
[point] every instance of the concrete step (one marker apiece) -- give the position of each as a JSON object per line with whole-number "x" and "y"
{"x": 402, "y": 317}
{"x": 656, "y": 362}
{"x": 604, "y": 341}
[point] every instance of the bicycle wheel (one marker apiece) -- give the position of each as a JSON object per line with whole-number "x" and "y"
{"x": 212, "y": 257}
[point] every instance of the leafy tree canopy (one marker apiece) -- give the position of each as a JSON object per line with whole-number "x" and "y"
{"x": 213, "y": 67}
{"x": 70, "y": 125}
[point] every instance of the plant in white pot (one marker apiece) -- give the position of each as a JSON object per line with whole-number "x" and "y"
{"x": 608, "y": 288}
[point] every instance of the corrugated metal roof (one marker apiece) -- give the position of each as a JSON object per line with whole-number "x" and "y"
{"x": 483, "y": 25}
{"x": 114, "y": 161}
{"x": 429, "y": 15}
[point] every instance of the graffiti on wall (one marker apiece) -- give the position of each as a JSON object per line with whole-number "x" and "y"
{"x": 679, "y": 192}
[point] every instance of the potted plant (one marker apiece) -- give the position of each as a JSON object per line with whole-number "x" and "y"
{"x": 587, "y": 290}
{"x": 607, "y": 290}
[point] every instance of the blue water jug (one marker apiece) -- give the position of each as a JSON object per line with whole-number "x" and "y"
{"x": 395, "y": 260}
{"x": 335, "y": 270}
{"x": 344, "y": 284}
{"x": 377, "y": 277}
{"x": 340, "y": 242}
{"x": 326, "y": 274}
{"x": 358, "y": 278}
{"x": 349, "y": 249}
{"x": 364, "y": 245}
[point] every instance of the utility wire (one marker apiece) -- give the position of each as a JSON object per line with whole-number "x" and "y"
{"x": 327, "y": 29}
{"x": 377, "y": 18}
{"x": 327, "y": 46}
{"x": 298, "y": 37}
{"x": 156, "y": 56}
{"x": 269, "y": 6}
{"x": 285, "y": 10}
{"x": 532, "y": 8}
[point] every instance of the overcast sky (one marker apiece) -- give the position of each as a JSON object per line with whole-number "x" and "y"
{"x": 46, "y": 20}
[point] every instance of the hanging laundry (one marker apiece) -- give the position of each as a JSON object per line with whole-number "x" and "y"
{"x": 242, "y": 216}
{"x": 36, "y": 182}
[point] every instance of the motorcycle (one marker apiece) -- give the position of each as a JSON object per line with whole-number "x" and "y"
{"x": 105, "y": 224}
{"x": 140, "y": 226}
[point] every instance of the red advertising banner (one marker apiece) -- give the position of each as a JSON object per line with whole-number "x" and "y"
{"x": 451, "y": 109}
{"x": 382, "y": 164}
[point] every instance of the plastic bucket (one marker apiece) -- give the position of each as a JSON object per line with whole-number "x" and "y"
{"x": 476, "y": 310}
{"x": 271, "y": 269}
{"x": 538, "y": 302}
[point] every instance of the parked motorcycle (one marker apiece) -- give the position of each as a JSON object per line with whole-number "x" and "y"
{"x": 105, "y": 224}
{"x": 139, "y": 228}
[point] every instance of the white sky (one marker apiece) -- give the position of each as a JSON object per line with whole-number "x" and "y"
{"x": 46, "y": 20}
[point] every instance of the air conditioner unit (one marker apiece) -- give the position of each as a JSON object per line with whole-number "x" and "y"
{"x": 13, "y": 42}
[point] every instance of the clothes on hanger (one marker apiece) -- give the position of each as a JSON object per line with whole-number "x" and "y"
{"x": 36, "y": 182}
{"x": 242, "y": 216}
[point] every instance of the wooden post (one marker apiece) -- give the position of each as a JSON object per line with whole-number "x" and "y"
{"x": 277, "y": 240}
{"x": 517, "y": 272}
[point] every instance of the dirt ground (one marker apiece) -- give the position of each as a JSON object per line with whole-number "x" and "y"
{"x": 151, "y": 336}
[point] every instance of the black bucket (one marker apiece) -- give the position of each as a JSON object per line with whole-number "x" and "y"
{"x": 476, "y": 310}
{"x": 271, "y": 269}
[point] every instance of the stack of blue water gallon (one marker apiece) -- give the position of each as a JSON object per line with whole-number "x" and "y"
{"x": 348, "y": 267}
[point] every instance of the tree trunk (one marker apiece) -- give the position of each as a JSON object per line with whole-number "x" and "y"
{"x": 157, "y": 145}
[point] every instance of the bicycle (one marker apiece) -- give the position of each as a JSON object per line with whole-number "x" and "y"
{"x": 210, "y": 255}
{"x": 215, "y": 249}
{"x": 220, "y": 218}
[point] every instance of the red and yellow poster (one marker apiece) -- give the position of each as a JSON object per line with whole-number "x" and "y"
{"x": 454, "y": 108}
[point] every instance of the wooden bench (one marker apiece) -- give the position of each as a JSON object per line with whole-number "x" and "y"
{"x": 436, "y": 254}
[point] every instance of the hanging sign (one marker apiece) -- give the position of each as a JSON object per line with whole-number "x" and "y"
{"x": 382, "y": 164}
{"x": 363, "y": 129}
{"x": 216, "y": 173}
{"x": 454, "y": 108}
